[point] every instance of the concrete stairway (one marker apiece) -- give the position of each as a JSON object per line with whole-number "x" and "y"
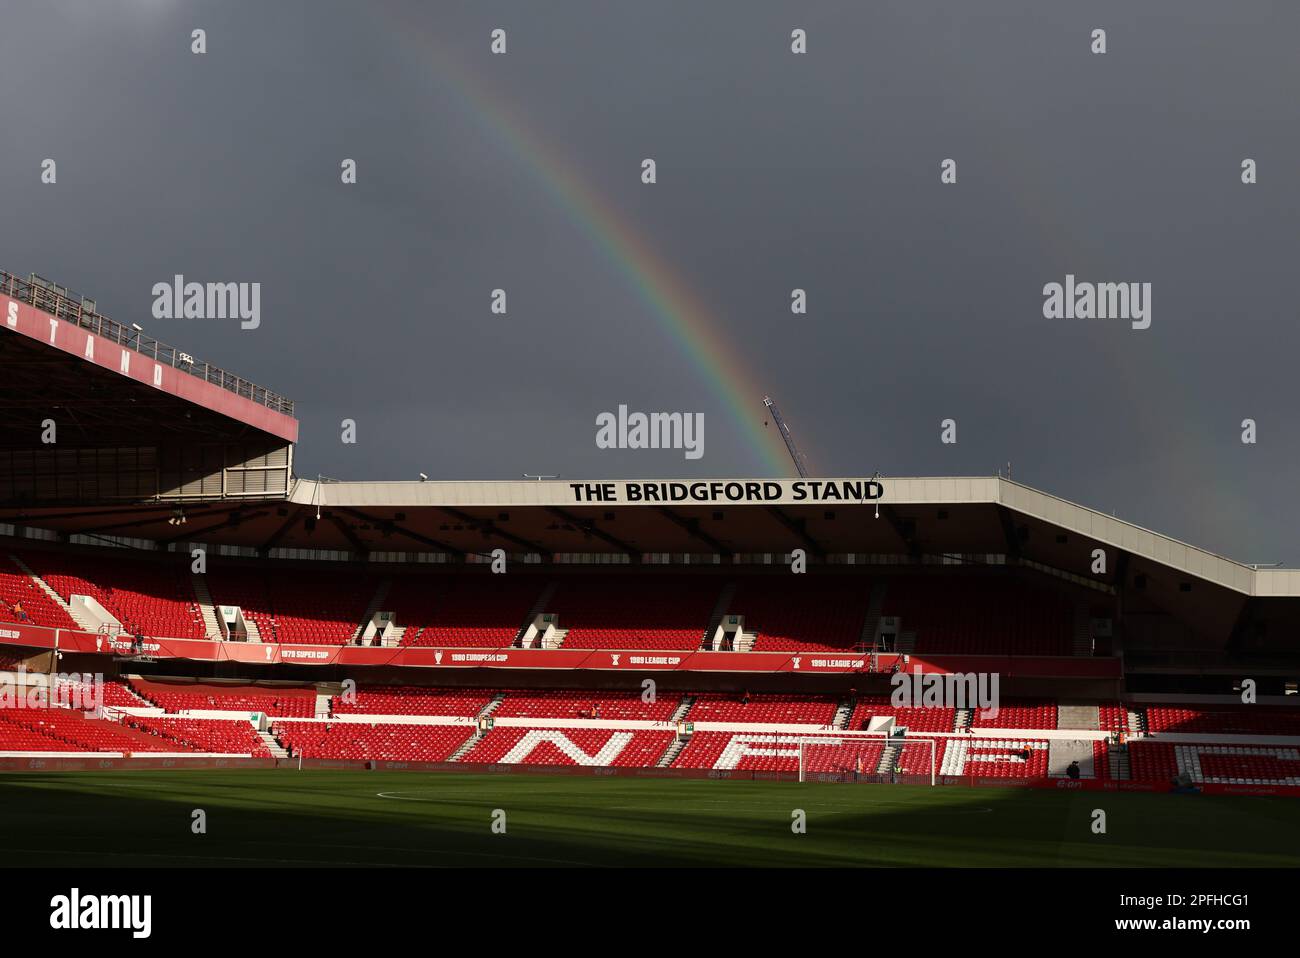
{"x": 1082, "y": 630}
{"x": 670, "y": 754}
{"x": 538, "y": 607}
{"x": 843, "y": 712}
{"x": 277, "y": 750}
{"x": 683, "y": 707}
{"x": 906, "y": 642}
{"x": 887, "y": 759}
{"x": 465, "y": 746}
{"x": 211, "y": 624}
{"x": 491, "y": 707}
{"x": 963, "y": 720}
{"x": 254, "y": 633}
{"x": 381, "y": 593}
{"x": 1119, "y": 763}
{"x": 715, "y": 617}
{"x": 875, "y": 604}
{"x": 1137, "y": 720}
{"x": 1061, "y": 752}
{"x": 1078, "y": 716}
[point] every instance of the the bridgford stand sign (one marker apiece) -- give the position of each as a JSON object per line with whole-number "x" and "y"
{"x": 719, "y": 490}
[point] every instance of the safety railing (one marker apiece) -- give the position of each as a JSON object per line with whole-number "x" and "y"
{"x": 81, "y": 312}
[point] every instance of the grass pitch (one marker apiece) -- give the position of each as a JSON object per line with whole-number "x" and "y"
{"x": 342, "y": 818}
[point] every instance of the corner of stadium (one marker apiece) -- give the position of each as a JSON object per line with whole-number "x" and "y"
{"x": 634, "y": 672}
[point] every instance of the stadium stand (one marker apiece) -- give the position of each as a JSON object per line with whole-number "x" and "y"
{"x": 221, "y": 736}
{"x": 283, "y": 700}
{"x": 412, "y": 700}
{"x": 1242, "y": 720}
{"x": 1018, "y": 713}
{"x": 22, "y": 600}
{"x": 598, "y": 704}
{"x": 917, "y": 719}
{"x": 147, "y": 596}
{"x": 767, "y": 708}
{"x": 310, "y": 608}
{"x": 461, "y": 610}
{"x": 67, "y": 730}
{"x": 359, "y": 741}
{"x": 778, "y": 752}
{"x": 803, "y": 613}
{"x": 995, "y": 758}
{"x": 613, "y": 748}
{"x": 635, "y": 612}
{"x": 988, "y": 615}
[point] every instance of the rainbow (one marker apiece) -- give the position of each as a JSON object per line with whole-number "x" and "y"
{"x": 678, "y": 311}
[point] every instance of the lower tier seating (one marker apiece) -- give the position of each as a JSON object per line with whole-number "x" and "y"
{"x": 1224, "y": 764}
{"x": 594, "y": 747}
{"x": 223, "y": 736}
{"x": 359, "y": 741}
{"x": 867, "y": 707}
{"x": 1018, "y": 713}
{"x": 276, "y": 700}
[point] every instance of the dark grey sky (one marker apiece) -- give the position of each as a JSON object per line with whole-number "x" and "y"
{"x": 775, "y": 171}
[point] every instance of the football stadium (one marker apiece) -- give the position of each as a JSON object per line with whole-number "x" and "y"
{"x": 638, "y": 672}
{"x": 827, "y": 465}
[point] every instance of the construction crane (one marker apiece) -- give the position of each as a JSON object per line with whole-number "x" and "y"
{"x": 799, "y": 462}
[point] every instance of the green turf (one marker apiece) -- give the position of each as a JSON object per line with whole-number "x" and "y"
{"x": 315, "y": 818}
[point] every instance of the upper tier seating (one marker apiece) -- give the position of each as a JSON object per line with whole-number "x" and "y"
{"x": 284, "y": 700}
{"x": 763, "y": 707}
{"x": 317, "y": 607}
{"x": 605, "y": 748}
{"x": 153, "y": 597}
{"x": 915, "y": 718}
{"x": 382, "y": 742}
{"x": 1232, "y": 720}
{"x": 607, "y": 705}
{"x": 803, "y": 613}
{"x": 980, "y": 616}
{"x": 412, "y": 700}
{"x": 462, "y": 611}
{"x": 635, "y": 612}
{"x": 22, "y": 600}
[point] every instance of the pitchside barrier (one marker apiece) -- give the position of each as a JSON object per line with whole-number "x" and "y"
{"x": 87, "y": 764}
